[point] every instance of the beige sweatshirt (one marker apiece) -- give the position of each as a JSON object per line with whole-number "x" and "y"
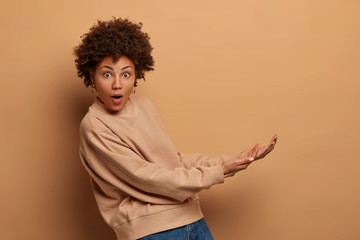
{"x": 142, "y": 185}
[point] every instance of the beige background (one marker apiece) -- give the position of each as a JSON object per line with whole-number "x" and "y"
{"x": 228, "y": 74}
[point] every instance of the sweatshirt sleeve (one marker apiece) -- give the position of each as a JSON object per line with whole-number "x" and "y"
{"x": 190, "y": 160}
{"x": 114, "y": 162}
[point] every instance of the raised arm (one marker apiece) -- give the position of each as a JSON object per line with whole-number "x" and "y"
{"x": 109, "y": 159}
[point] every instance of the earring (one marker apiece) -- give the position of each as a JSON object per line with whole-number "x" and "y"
{"x": 93, "y": 87}
{"x": 133, "y": 91}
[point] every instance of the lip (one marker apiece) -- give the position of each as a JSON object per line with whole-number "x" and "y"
{"x": 117, "y": 98}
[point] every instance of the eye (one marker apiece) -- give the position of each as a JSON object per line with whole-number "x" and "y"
{"x": 107, "y": 75}
{"x": 126, "y": 74}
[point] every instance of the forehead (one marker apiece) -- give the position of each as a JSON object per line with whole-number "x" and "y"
{"x": 123, "y": 61}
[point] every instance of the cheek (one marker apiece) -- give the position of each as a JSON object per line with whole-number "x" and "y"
{"x": 102, "y": 86}
{"x": 102, "y": 92}
{"x": 130, "y": 86}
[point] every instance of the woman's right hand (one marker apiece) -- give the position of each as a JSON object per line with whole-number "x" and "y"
{"x": 232, "y": 166}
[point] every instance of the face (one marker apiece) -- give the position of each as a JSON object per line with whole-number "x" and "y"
{"x": 114, "y": 81}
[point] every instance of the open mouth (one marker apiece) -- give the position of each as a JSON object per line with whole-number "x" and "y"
{"x": 116, "y": 99}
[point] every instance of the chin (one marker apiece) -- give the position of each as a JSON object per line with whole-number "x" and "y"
{"x": 112, "y": 108}
{"x": 115, "y": 108}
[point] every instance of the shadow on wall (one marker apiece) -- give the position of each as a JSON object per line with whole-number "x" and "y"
{"x": 82, "y": 205}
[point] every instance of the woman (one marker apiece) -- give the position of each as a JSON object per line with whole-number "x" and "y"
{"x": 144, "y": 188}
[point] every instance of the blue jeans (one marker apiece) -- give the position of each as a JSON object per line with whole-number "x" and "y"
{"x": 194, "y": 231}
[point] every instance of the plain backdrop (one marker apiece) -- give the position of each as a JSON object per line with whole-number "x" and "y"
{"x": 228, "y": 75}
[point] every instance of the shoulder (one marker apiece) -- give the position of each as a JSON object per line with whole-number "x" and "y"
{"x": 144, "y": 104}
{"x": 91, "y": 125}
{"x": 141, "y": 100}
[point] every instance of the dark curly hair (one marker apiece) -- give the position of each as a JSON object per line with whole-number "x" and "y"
{"x": 117, "y": 37}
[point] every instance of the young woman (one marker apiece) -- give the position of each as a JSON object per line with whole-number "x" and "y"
{"x": 144, "y": 187}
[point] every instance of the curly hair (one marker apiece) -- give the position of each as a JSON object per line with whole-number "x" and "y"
{"x": 117, "y": 37}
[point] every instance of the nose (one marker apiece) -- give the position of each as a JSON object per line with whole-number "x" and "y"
{"x": 117, "y": 84}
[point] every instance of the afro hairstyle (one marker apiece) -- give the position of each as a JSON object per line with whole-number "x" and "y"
{"x": 117, "y": 37}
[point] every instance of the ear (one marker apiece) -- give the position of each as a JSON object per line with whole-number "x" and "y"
{"x": 91, "y": 73}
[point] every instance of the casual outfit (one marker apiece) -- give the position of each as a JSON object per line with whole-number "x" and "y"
{"x": 142, "y": 185}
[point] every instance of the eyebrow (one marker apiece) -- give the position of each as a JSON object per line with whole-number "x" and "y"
{"x": 113, "y": 69}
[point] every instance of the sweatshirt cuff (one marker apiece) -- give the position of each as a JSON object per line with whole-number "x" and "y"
{"x": 219, "y": 175}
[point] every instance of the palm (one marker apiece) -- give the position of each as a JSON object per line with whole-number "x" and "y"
{"x": 263, "y": 150}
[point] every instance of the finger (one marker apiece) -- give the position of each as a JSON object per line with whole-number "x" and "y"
{"x": 266, "y": 150}
{"x": 273, "y": 140}
{"x": 254, "y": 153}
{"x": 242, "y": 161}
{"x": 273, "y": 143}
{"x": 249, "y": 153}
{"x": 255, "y": 148}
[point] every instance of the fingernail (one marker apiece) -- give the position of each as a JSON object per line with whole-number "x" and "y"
{"x": 251, "y": 159}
